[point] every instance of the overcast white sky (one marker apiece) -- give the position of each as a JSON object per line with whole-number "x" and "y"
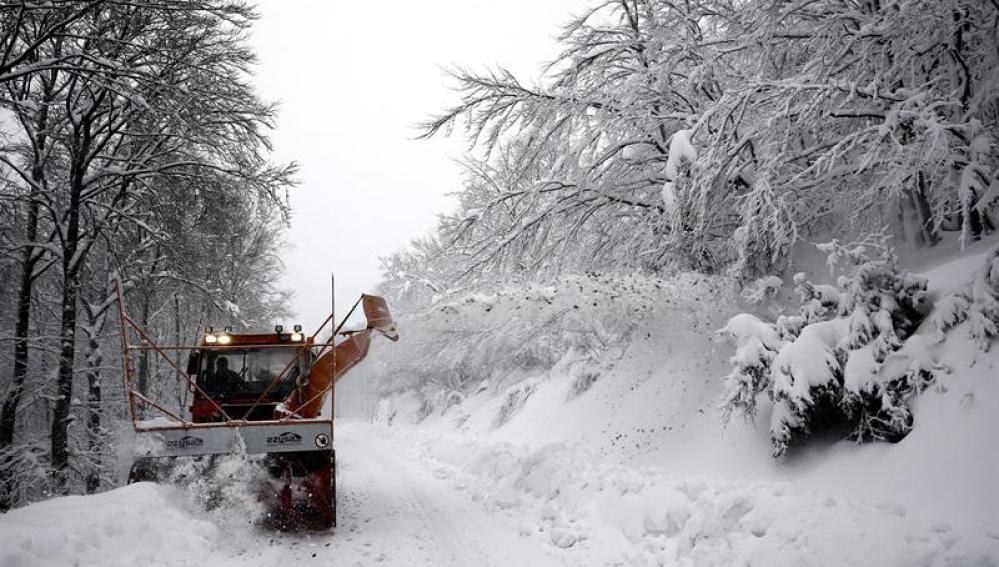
{"x": 352, "y": 78}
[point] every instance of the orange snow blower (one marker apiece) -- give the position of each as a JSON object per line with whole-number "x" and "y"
{"x": 258, "y": 394}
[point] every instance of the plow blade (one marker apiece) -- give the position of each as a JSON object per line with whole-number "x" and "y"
{"x": 291, "y": 463}
{"x": 242, "y": 437}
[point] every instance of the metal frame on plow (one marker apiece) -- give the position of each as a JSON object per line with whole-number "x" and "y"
{"x": 290, "y": 420}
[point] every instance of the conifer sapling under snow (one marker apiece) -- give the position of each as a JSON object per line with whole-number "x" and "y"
{"x": 828, "y": 366}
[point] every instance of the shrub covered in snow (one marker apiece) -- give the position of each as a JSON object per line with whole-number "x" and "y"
{"x": 758, "y": 344}
{"x": 950, "y": 310}
{"x": 978, "y": 304}
{"x": 984, "y": 309}
{"x": 25, "y": 472}
{"x": 831, "y": 365}
{"x": 762, "y": 289}
{"x": 817, "y": 301}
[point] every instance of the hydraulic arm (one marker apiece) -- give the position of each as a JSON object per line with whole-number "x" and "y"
{"x": 307, "y": 402}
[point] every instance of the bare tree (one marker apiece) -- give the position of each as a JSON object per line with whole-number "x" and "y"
{"x": 28, "y": 29}
{"x": 140, "y": 94}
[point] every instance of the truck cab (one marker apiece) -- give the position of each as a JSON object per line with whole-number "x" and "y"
{"x": 247, "y": 374}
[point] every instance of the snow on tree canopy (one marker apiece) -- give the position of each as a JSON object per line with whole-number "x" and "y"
{"x": 861, "y": 369}
{"x": 949, "y": 311}
{"x": 808, "y": 362}
{"x": 745, "y": 326}
{"x": 977, "y": 303}
{"x": 231, "y": 308}
{"x": 985, "y": 312}
{"x": 757, "y": 342}
{"x": 680, "y": 150}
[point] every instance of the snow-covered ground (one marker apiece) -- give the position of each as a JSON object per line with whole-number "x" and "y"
{"x": 139, "y": 524}
{"x": 639, "y": 469}
{"x": 412, "y": 498}
{"x": 699, "y": 498}
{"x": 393, "y": 511}
{"x": 633, "y": 469}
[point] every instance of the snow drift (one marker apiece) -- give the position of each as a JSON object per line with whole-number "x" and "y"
{"x": 140, "y": 524}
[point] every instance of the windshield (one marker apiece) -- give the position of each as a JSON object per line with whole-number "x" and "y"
{"x": 250, "y": 370}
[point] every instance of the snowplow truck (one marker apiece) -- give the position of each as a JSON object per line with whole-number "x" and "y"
{"x": 261, "y": 395}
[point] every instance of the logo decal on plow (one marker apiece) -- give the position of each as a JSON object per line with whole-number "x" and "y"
{"x": 185, "y": 442}
{"x": 286, "y": 438}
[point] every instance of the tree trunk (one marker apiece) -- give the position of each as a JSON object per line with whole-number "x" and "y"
{"x": 94, "y": 361}
{"x": 8, "y": 414}
{"x": 181, "y": 388}
{"x": 23, "y": 319}
{"x": 147, "y": 296}
{"x": 96, "y": 312}
{"x": 980, "y": 224}
{"x": 61, "y": 413}
{"x": 29, "y": 259}
{"x": 924, "y": 215}
{"x": 143, "y": 378}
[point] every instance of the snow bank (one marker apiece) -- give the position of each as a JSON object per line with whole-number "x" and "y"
{"x": 618, "y": 515}
{"x": 139, "y": 524}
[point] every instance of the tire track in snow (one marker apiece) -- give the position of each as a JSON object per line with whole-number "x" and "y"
{"x": 394, "y": 511}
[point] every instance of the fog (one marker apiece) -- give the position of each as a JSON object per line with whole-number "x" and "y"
{"x": 352, "y": 79}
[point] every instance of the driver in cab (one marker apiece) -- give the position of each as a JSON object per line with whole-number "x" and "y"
{"x": 226, "y": 381}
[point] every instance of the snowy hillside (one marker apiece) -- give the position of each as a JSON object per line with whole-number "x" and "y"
{"x": 639, "y": 460}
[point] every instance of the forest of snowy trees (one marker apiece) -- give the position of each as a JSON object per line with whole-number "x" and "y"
{"x": 716, "y": 136}
{"x": 722, "y": 139}
{"x": 132, "y": 147}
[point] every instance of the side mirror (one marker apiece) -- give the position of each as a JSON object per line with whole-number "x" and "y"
{"x": 194, "y": 363}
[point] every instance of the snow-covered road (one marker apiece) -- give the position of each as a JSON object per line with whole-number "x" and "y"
{"x": 392, "y": 511}
{"x": 411, "y": 498}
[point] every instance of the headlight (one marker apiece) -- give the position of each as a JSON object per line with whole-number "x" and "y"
{"x": 210, "y": 339}
{"x": 296, "y": 337}
{"x": 225, "y": 339}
